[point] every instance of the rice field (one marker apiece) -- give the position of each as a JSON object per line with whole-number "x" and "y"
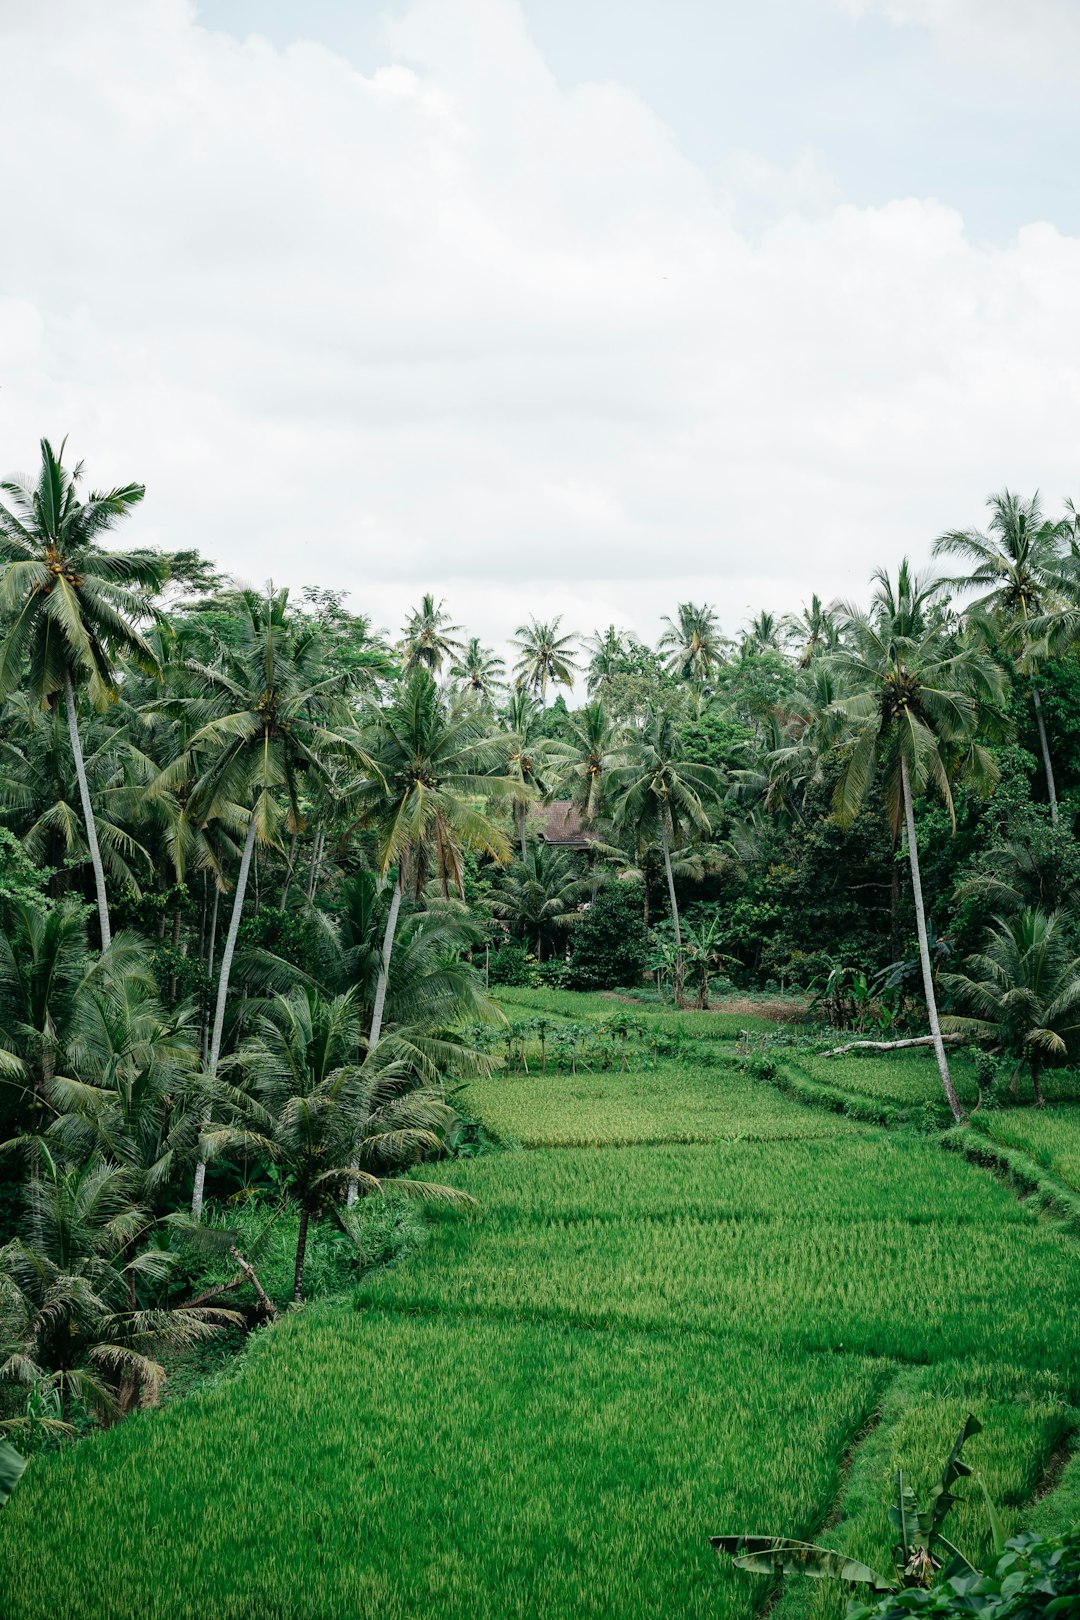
{"x": 676, "y": 1102}
{"x": 1049, "y": 1136}
{"x": 904, "y": 1078}
{"x": 518, "y": 1002}
{"x": 693, "y": 1307}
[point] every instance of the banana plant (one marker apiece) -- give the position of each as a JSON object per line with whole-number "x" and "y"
{"x": 11, "y": 1467}
{"x": 918, "y": 1532}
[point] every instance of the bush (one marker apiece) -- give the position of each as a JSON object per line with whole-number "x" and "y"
{"x": 608, "y": 947}
{"x": 510, "y": 963}
{"x": 1032, "y": 1577}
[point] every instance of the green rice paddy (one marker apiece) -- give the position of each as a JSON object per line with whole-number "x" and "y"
{"x": 694, "y": 1306}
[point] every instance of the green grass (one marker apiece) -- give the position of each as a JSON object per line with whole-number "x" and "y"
{"x": 1050, "y": 1136}
{"x": 1024, "y": 1422}
{"x": 683, "y": 1328}
{"x": 520, "y": 1002}
{"x": 931, "y": 1283}
{"x": 382, "y": 1465}
{"x": 904, "y": 1078}
{"x": 676, "y": 1102}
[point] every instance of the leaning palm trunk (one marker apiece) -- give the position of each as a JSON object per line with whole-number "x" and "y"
{"x": 666, "y": 838}
{"x": 88, "y": 814}
{"x": 924, "y": 947}
{"x": 223, "y": 993}
{"x": 380, "y": 995}
{"x": 1048, "y": 767}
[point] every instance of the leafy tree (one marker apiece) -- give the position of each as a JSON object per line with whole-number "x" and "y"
{"x": 539, "y": 894}
{"x": 431, "y": 761}
{"x": 544, "y": 656}
{"x": 327, "y": 1121}
{"x": 1023, "y": 992}
{"x": 428, "y": 638}
{"x": 693, "y": 643}
{"x": 1018, "y": 569}
{"x": 608, "y": 946}
{"x": 265, "y": 714}
{"x": 915, "y": 695}
{"x": 662, "y": 789}
{"x": 74, "y": 1311}
{"x": 478, "y": 670}
{"x": 71, "y": 607}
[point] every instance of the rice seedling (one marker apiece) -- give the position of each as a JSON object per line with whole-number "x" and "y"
{"x": 672, "y": 1103}
{"x": 1051, "y": 1137}
{"x": 416, "y": 1468}
{"x": 905, "y": 1078}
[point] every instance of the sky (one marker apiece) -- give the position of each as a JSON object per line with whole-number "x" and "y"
{"x": 579, "y": 307}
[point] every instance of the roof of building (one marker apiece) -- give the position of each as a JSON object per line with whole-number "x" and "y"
{"x": 559, "y": 823}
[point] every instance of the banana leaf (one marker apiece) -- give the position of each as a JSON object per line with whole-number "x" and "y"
{"x": 771, "y": 1555}
{"x": 11, "y": 1467}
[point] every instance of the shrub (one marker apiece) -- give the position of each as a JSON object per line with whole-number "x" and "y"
{"x": 608, "y": 948}
{"x": 510, "y": 963}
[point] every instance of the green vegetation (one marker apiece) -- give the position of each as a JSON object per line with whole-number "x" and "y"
{"x": 292, "y": 917}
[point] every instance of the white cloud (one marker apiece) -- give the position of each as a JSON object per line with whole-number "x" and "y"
{"x": 1029, "y": 38}
{"x": 452, "y": 326}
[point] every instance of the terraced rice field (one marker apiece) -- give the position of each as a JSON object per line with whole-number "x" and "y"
{"x": 676, "y": 1102}
{"x": 688, "y": 1326}
{"x": 1050, "y": 1137}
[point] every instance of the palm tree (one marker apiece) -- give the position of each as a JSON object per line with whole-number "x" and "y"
{"x": 663, "y": 790}
{"x": 593, "y": 749}
{"x": 544, "y": 656}
{"x": 540, "y": 894}
{"x": 44, "y": 965}
{"x": 327, "y": 1121}
{"x": 478, "y": 670}
{"x": 607, "y": 655}
{"x": 1023, "y": 991}
{"x": 762, "y": 635}
{"x": 692, "y": 641}
{"x": 431, "y": 761}
{"x": 813, "y": 630}
{"x": 74, "y": 1311}
{"x": 428, "y": 638}
{"x": 1018, "y": 568}
{"x": 72, "y": 608}
{"x": 915, "y": 693}
{"x": 530, "y": 757}
{"x": 263, "y": 718}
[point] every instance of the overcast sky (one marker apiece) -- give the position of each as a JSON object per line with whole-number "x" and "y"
{"x": 578, "y": 306}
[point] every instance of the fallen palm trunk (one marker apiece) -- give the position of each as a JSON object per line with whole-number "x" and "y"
{"x": 889, "y": 1046}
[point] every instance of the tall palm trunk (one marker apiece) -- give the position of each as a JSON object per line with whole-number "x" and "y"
{"x": 380, "y": 989}
{"x": 1048, "y": 767}
{"x": 88, "y": 814}
{"x": 666, "y": 839}
{"x": 223, "y": 993}
{"x": 301, "y": 1253}
{"x": 924, "y": 946}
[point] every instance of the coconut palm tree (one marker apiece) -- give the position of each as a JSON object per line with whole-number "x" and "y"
{"x": 1022, "y": 991}
{"x": 915, "y": 693}
{"x": 80, "y": 1309}
{"x": 692, "y": 641}
{"x": 761, "y": 635}
{"x": 327, "y": 1121}
{"x": 594, "y": 746}
{"x": 607, "y": 655}
{"x": 813, "y": 630}
{"x": 530, "y": 758}
{"x": 428, "y": 638}
{"x": 544, "y": 656}
{"x": 261, "y": 718}
{"x": 431, "y": 761}
{"x": 539, "y": 894}
{"x": 71, "y": 608}
{"x": 478, "y": 670}
{"x": 663, "y": 791}
{"x": 1017, "y": 568}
